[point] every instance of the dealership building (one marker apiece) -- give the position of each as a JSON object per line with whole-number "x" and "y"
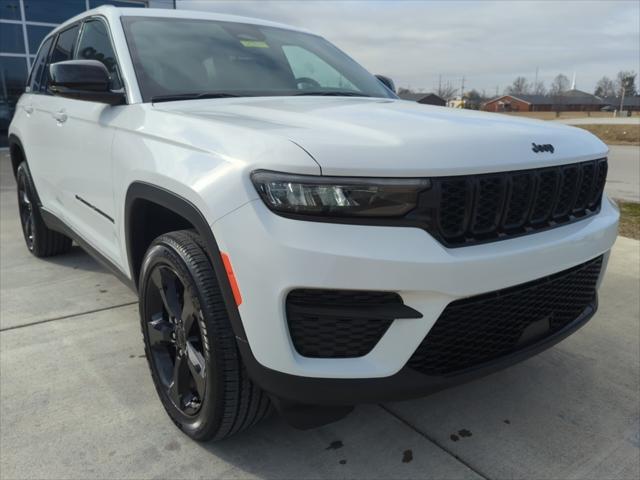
{"x": 23, "y": 25}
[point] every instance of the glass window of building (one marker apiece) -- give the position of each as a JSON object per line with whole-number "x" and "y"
{"x": 36, "y": 33}
{"x": 10, "y": 9}
{"x": 45, "y": 11}
{"x": 11, "y": 38}
{"x": 13, "y": 74}
{"x": 116, "y": 3}
{"x": 95, "y": 44}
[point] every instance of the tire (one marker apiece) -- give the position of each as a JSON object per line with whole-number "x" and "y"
{"x": 190, "y": 345}
{"x": 40, "y": 240}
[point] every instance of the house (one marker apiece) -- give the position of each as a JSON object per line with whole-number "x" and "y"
{"x": 571, "y": 100}
{"x": 457, "y": 102}
{"x": 631, "y": 104}
{"x": 425, "y": 98}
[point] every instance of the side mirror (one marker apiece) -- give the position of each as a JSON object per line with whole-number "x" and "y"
{"x": 83, "y": 80}
{"x": 387, "y": 82}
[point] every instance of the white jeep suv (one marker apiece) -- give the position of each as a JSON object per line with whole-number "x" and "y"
{"x": 298, "y": 236}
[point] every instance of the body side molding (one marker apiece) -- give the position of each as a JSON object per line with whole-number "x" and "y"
{"x": 94, "y": 208}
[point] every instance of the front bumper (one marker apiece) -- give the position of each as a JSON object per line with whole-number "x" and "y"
{"x": 403, "y": 385}
{"x": 272, "y": 255}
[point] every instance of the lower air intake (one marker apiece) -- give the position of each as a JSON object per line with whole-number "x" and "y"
{"x": 479, "y": 329}
{"x": 338, "y": 323}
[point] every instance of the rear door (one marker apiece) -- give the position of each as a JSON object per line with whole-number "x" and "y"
{"x": 85, "y": 135}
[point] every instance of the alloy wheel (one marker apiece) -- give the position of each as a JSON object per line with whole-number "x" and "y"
{"x": 27, "y": 219}
{"x": 175, "y": 339}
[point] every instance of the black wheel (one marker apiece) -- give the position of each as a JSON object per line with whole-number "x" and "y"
{"x": 190, "y": 346}
{"x": 40, "y": 240}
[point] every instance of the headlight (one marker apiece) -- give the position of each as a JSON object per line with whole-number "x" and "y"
{"x": 338, "y": 196}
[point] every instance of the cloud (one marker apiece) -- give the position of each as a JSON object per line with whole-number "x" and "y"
{"x": 489, "y": 43}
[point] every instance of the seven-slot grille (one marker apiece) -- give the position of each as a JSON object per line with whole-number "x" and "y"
{"x": 479, "y": 329}
{"x": 464, "y": 210}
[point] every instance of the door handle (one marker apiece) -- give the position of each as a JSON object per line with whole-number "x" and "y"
{"x": 28, "y": 109}
{"x": 60, "y": 116}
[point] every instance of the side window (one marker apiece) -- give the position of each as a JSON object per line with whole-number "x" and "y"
{"x": 307, "y": 65}
{"x": 35, "y": 79}
{"x": 64, "y": 46}
{"x": 63, "y": 50}
{"x": 95, "y": 44}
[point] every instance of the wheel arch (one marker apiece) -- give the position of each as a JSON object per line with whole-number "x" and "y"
{"x": 16, "y": 152}
{"x": 181, "y": 214}
{"x": 18, "y": 155}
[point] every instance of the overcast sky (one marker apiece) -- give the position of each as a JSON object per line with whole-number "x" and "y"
{"x": 489, "y": 43}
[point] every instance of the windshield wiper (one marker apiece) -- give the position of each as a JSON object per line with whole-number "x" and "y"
{"x": 192, "y": 96}
{"x": 330, "y": 93}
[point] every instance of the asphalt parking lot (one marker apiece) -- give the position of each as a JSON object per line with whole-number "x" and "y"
{"x": 76, "y": 399}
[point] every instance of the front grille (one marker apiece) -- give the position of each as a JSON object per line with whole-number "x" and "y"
{"x": 331, "y": 323}
{"x": 478, "y": 329}
{"x": 464, "y": 210}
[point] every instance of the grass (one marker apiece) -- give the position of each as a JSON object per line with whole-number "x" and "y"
{"x": 615, "y": 134}
{"x": 629, "y": 219}
{"x": 552, "y": 115}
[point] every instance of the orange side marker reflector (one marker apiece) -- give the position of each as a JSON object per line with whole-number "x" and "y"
{"x": 232, "y": 278}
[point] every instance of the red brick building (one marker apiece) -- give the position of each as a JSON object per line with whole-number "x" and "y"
{"x": 572, "y": 100}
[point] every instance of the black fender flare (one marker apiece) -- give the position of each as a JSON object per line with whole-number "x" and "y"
{"x": 14, "y": 141}
{"x": 187, "y": 210}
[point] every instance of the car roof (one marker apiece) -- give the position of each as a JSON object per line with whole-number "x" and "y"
{"x": 113, "y": 13}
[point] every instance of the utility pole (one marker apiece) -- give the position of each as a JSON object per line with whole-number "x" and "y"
{"x": 624, "y": 87}
{"x": 439, "y": 84}
{"x": 462, "y": 87}
{"x": 535, "y": 85}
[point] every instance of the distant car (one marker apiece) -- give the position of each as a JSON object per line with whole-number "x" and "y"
{"x": 298, "y": 236}
{"x": 607, "y": 108}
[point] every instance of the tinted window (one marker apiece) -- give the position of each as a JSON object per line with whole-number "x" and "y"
{"x": 11, "y": 38}
{"x": 95, "y": 44}
{"x": 10, "y": 9}
{"x": 64, "y": 45}
{"x": 39, "y": 65}
{"x": 49, "y": 11}
{"x": 185, "y": 56}
{"x": 36, "y": 33}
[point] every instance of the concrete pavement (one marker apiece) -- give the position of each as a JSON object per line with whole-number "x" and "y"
{"x": 76, "y": 399}
{"x": 623, "y": 178}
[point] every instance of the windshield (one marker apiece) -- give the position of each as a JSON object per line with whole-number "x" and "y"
{"x": 188, "y": 58}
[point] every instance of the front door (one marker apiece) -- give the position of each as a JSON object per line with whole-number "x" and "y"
{"x": 83, "y": 137}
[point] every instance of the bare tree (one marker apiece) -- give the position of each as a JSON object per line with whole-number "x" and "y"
{"x": 473, "y": 99}
{"x": 519, "y": 86}
{"x": 626, "y": 80}
{"x": 605, "y": 88}
{"x": 446, "y": 91}
{"x": 539, "y": 88}
{"x": 559, "y": 85}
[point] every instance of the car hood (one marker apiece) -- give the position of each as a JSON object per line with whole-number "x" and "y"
{"x": 382, "y": 137}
